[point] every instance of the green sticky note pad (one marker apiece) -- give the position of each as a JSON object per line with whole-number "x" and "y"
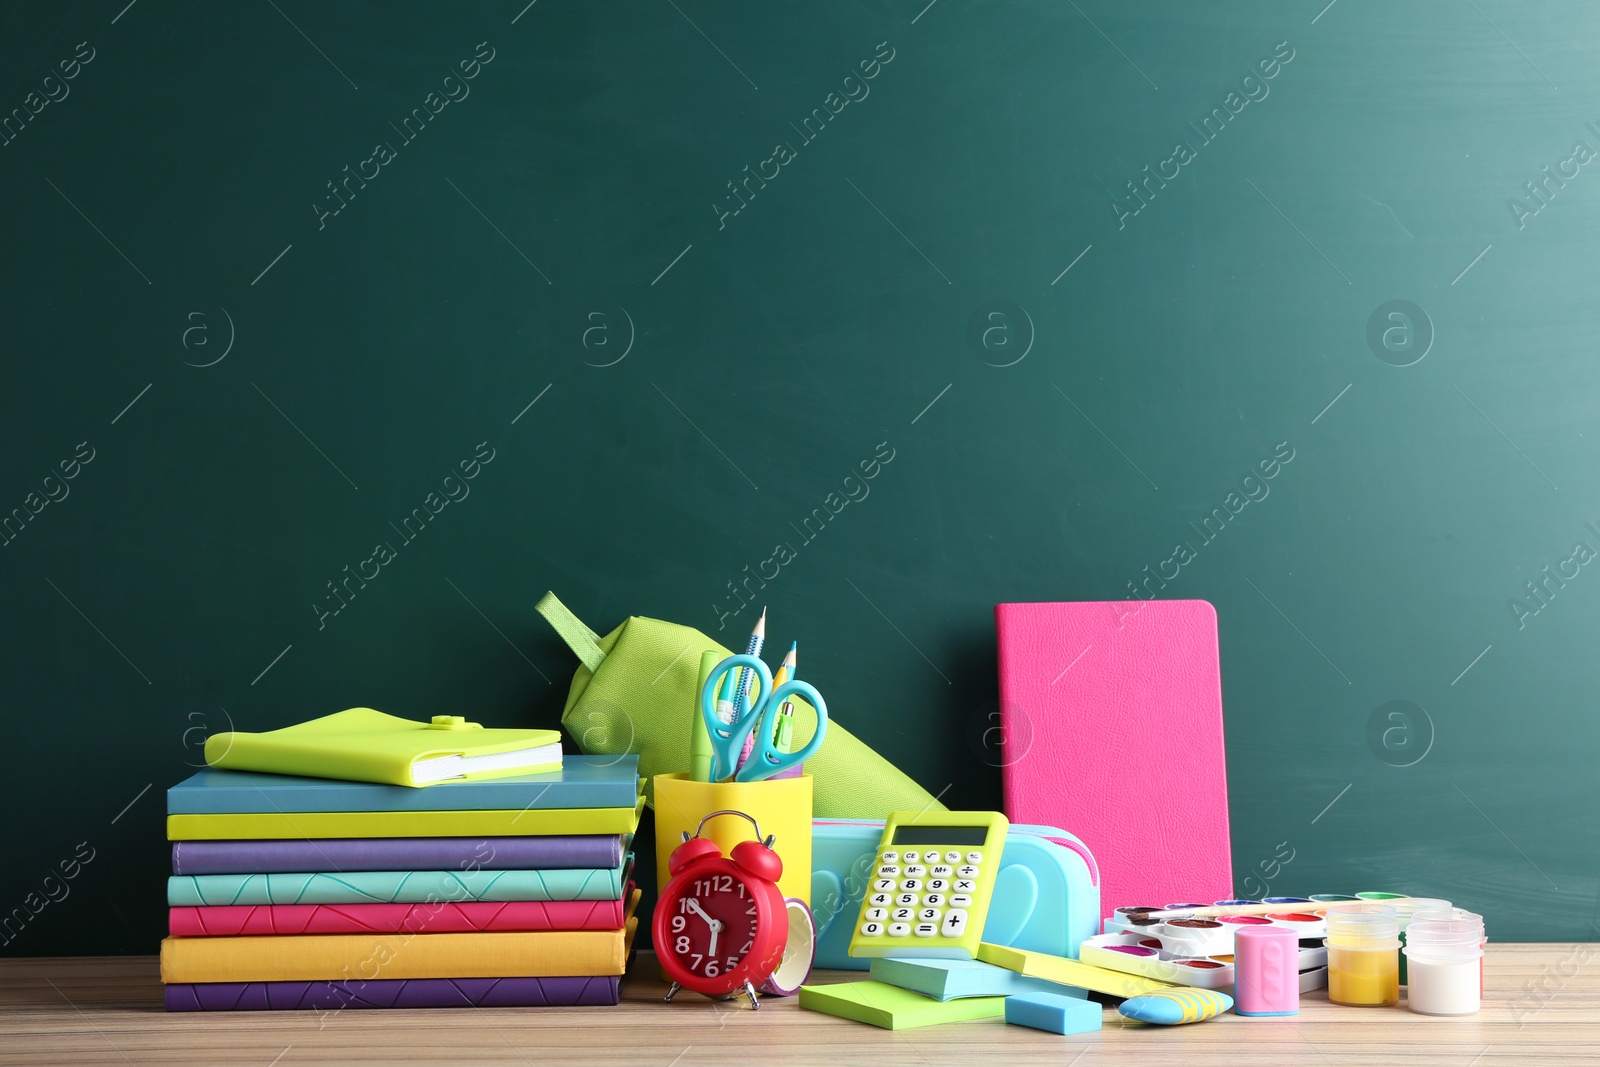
{"x": 894, "y": 1008}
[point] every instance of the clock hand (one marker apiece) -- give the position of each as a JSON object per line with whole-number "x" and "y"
{"x": 694, "y": 906}
{"x": 716, "y": 928}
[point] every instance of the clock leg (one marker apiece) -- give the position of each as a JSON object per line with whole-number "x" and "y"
{"x": 750, "y": 991}
{"x": 671, "y": 992}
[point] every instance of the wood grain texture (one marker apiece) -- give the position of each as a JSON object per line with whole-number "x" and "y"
{"x": 91, "y": 1010}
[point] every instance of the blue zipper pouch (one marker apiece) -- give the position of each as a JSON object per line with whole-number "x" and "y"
{"x": 1046, "y": 896}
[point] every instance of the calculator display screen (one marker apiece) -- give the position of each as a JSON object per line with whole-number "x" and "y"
{"x": 923, "y": 834}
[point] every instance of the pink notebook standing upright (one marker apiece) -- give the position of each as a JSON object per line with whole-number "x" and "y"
{"x": 1112, "y": 716}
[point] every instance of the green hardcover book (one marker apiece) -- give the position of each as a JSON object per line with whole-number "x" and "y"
{"x": 277, "y": 825}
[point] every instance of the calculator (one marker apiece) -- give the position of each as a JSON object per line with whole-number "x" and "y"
{"x": 933, "y": 877}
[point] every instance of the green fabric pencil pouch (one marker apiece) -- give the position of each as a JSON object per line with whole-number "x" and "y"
{"x": 634, "y": 692}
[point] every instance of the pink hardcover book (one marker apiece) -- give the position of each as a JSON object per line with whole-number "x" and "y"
{"x": 443, "y": 917}
{"x": 1112, "y": 728}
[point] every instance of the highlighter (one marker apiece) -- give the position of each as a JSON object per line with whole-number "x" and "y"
{"x": 699, "y": 739}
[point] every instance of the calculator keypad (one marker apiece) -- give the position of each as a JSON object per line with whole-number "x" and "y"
{"x": 921, "y": 893}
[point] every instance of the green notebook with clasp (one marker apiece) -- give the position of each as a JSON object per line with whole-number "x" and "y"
{"x": 363, "y": 745}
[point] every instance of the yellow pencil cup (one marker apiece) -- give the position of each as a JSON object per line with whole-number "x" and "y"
{"x": 781, "y": 807}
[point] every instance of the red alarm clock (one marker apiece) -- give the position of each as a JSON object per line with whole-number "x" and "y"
{"x": 721, "y": 923}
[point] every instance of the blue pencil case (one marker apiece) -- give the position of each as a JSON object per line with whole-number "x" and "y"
{"x": 1046, "y": 897}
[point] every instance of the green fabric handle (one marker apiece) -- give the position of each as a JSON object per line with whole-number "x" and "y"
{"x": 636, "y": 692}
{"x": 582, "y": 640}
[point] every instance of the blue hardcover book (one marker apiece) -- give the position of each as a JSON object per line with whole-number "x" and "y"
{"x": 956, "y": 979}
{"x": 582, "y": 782}
{"x": 393, "y": 887}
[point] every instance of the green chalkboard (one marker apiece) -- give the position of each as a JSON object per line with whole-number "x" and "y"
{"x": 663, "y": 275}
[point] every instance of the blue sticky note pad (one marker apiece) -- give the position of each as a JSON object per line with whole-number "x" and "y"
{"x": 1053, "y": 1012}
{"x": 956, "y": 979}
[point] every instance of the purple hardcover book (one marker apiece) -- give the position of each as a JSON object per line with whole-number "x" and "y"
{"x": 397, "y": 854}
{"x": 394, "y": 993}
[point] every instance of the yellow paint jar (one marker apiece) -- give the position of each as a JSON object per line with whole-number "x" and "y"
{"x": 1363, "y": 954}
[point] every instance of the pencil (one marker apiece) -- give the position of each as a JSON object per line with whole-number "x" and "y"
{"x": 741, "y": 688}
{"x": 785, "y": 736}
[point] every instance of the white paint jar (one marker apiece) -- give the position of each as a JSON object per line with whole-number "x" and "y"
{"x": 1442, "y": 960}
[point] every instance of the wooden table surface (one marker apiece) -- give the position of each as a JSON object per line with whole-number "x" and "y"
{"x": 108, "y": 1010}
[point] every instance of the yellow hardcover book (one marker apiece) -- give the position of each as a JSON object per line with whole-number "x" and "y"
{"x": 365, "y": 957}
{"x": 363, "y": 745}
{"x": 1063, "y": 971}
{"x": 529, "y": 822}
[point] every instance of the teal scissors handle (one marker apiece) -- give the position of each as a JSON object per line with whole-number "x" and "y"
{"x": 766, "y": 760}
{"x": 727, "y": 739}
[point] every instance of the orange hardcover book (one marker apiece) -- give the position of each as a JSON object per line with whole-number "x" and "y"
{"x": 364, "y": 957}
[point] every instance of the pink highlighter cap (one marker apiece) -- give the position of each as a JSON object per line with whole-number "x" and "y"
{"x": 1266, "y": 971}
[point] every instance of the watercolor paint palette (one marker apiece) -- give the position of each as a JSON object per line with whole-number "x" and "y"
{"x": 1213, "y": 935}
{"x": 1133, "y": 953}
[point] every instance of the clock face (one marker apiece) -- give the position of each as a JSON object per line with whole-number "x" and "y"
{"x": 713, "y": 925}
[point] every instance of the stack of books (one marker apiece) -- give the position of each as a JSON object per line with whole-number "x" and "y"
{"x": 311, "y": 893}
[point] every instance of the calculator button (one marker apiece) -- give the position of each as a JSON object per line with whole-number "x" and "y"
{"x": 960, "y": 900}
{"x": 905, "y": 900}
{"x": 974, "y": 857}
{"x": 967, "y": 870}
{"x": 965, "y": 885}
{"x": 933, "y": 900}
{"x": 940, "y": 870}
{"x": 915, "y": 870}
{"x": 954, "y": 925}
{"x": 872, "y": 929}
{"x": 911, "y": 857}
{"x": 900, "y": 915}
{"x": 911, "y": 885}
{"x": 876, "y": 914}
{"x": 900, "y": 929}
{"x": 890, "y": 856}
{"x": 888, "y": 870}
{"x": 879, "y": 900}
{"x": 954, "y": 857}
{"x": 929, "y": 915}
{"x": 927, "y": 929}
{"x": 937, "y": 885}
{"x": 883, "y": 885}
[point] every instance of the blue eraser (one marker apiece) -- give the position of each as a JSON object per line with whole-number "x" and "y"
{"x": 1053, "y": 1012}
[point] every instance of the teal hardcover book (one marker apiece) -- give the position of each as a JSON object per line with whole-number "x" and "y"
{"x": 582, "y": 782}
{"x": 395, "y": 887}
{"x": 957, "y": 979}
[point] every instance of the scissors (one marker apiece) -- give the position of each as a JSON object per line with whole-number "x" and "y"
{"x": 727, "y": 739}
